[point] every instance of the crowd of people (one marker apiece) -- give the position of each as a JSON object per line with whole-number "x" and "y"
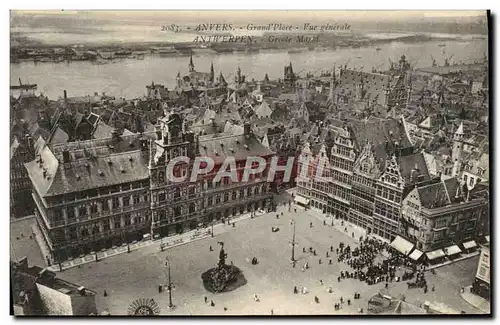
{"x": 362, "y": 261}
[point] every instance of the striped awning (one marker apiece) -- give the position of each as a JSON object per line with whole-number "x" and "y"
{"x": 301, "y": 200}
{"x": 469, "y": 244}
{"x": 452, "y": 250}
{"x": 402, "y": 245}
{"x": 416, "y": 254}
{"x": 435, "y": 254}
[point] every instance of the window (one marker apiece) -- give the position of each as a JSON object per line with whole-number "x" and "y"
{"x": 191, "y": 190}
{"x": 226, "y": 197}
{"x": 233, "y": 196}
{"x": 58, "y": 214}
{"x": 126, "y": 201}
{"x": 105, "y": 205}
{"x": 137, "y": 199}
{"x": 161, "y": 177}
{"x": 192, "y": 208}
{"x": 118, "y": 222}
{"x": 71, "y": 213}
{"x": 93, "y": 208}
{"x": 105, "y": 226}
{"x": 177, "y": 192}
{"x": 72, "y": 233}
{"x": 161, "y": 197}
{"x": 210, "y": 201}
{"x": 177, "y": 212}
{"x": 217, "y": 199}
{"x": 116, "y": 203}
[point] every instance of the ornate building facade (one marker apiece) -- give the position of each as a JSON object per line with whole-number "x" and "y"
{"x": 91, "y": 194}
{"x": 185, "y": 205}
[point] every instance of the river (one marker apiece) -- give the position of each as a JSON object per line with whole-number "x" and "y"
{"x": 128, "y": 78}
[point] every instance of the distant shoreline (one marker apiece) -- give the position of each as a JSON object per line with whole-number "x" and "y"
{"x": 47, "y": 52}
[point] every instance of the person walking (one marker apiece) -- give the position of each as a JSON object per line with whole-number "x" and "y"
{"x": 206, "y": 299}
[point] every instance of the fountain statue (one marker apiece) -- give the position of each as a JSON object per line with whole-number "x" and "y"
{"x": 223, "y": 277}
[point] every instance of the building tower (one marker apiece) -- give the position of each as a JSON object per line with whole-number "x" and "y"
{"x": 178, "y": 79}
{"x": 408, "y": 89}
{"x": 191, "y": 64}
{"x": 212, "y": 73}
{"x": 456, "y": 152}
{"x": 387, "y": 92}
{"x": 360, "y": 89}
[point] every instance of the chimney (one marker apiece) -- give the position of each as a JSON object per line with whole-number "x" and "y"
{"x": 29, "y": 142}
{"x": 115, "y": 136}
{"x": 65, "y": 95}
{"x": 66, "y": 156}
{"x": 246, "y": 128}
{"x": 81, "y": 290}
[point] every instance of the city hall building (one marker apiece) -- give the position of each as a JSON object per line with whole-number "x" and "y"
{"x": 97, "y": 194}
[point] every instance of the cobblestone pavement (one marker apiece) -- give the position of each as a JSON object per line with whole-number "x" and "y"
{"x": 127, "y": 277}
{"x": 21, "y": 244}
{"x": 475, "y": 300}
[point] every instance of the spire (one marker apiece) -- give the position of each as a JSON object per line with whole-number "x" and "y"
{"x": 266, "y": 78}
{"x": 331, "y": 94}
{"x": 222, "y": 81}
{"x": 150, "y": 153}
{"x": 460, "y": 130}
{"x": 265, "y": 141}
{"x": 191, "y": 64}
{"x": 212, "y": 74}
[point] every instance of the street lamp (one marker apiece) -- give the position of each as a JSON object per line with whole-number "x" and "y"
{"x": 170, "y": 304}
{"x": 293, "y": 243}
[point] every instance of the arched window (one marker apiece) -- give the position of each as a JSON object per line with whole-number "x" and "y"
{"x": 161, "y": 177}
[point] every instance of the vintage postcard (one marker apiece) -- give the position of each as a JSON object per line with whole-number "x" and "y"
{"x": 249, "y": 163}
